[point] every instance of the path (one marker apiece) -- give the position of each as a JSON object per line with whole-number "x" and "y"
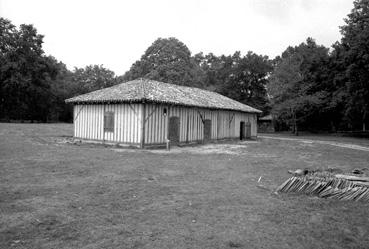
{"x": 332, "y": 143}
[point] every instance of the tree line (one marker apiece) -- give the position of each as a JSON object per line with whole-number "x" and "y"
{"x": 317, "y": 88}
{"x": 33, "y": 86}
{"x": 307, "y": 87}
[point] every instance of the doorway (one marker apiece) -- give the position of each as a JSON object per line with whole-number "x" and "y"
{"x": 242, "y": 130}
{"x": 248, "y": 130}
{"x": 207, "y": 130}
{"x": 173, "y": 132}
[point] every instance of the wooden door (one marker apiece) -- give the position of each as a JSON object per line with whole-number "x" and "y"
{"x": 173, "y": 133}
{"x": 219, "y": 125}
{"x": 248, "y": 130}
{"x": 207, "y": 130}
{"x": 242, "y": 130}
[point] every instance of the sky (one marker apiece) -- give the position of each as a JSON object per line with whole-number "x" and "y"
{"x": 117, "y": 33}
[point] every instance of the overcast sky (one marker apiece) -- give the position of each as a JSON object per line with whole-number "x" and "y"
{"x": 116, "y": 33}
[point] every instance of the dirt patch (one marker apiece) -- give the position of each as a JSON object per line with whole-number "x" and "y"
{"x": 229, "y": 149}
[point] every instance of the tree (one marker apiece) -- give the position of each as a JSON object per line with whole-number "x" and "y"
{"x": 337, "y": 96}
{"x": 91, "y": 78}
{"x": 355, "y": 50}
{"x": 33, "y": 86}
{"x": 216, "y": 69}
{"x": 248, "y": 79}
{"x": 241, "y": 78}
{"x": 321, "y": 90}
{"x": 25, "y": 73}
{"x": 298, "y": 84}
{"x": 167, "y": 60}
{"x": 61, "y": 88}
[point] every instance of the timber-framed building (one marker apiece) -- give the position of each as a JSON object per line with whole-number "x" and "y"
{"x": 148, "y": 113}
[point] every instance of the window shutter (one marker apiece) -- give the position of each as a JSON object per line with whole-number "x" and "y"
{"x": 109, "y": 121}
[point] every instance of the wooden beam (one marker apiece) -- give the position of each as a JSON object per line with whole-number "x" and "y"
{"x": 353, "y": 178}
{"x": 143, "y": 121}
{"x": 133, "y": 109}
{"x": 230, "y": 121}
{"x": 151, "y": 113}
{"x": 167, "y": 122}
{"x": 103, "y": 125}
{"x": 202, "y": 119}
{"x": 82, "y": 106}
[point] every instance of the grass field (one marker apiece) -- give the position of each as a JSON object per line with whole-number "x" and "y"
{"x": 55, "y": 194}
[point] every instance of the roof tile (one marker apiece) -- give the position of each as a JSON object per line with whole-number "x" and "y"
{"x": 144, "y": 90}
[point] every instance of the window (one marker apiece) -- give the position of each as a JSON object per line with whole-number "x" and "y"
{"x": 109, "y": 121}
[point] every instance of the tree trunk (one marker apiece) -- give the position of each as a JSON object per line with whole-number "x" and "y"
{"x": 333, "y": 127}
{"x": 364, "y": 117}
{"x": 295, "y": 130}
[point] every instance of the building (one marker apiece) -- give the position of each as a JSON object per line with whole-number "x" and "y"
{"x": 145, "y": 112}
{"x": 266, "y": 124}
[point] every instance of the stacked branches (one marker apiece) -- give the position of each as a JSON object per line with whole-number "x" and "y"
{"x": 328, "y": 185}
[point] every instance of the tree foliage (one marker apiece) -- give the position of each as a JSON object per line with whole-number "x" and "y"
{"x": 326, "y": 91}
{"x": 298, "y": 83}
{"x": 217, "y": 69}
{"x": 355, "y": 59}
{"x": 91, "y": 78}
{"x": 24, "y": 73}
{"x": 33, "y": 86}
{"x": 242, "y": 78}
{"x": 168, "y": 60}
{"x": 248, "y": 79}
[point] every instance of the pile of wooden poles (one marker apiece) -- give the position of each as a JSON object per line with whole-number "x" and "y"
{"x": 328, "y": 185}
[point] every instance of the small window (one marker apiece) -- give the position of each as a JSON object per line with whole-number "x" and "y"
{"x": 109, "y": 121}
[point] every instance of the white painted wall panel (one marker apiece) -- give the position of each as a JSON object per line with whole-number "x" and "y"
{"x": 89, "y": 122}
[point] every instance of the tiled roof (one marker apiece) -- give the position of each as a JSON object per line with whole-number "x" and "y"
{"x": 150, "y": 91}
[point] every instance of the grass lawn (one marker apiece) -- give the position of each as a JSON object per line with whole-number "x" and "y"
{"x": 55, "y": 194}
